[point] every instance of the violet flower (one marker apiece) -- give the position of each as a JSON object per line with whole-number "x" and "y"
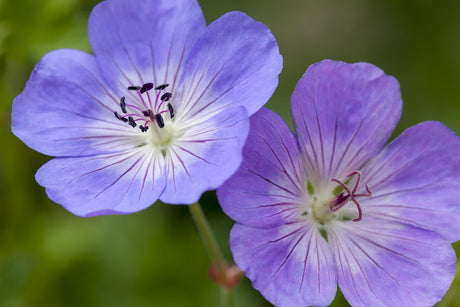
{"x": 160, "y": 112}
{"x": 331, "y": 203}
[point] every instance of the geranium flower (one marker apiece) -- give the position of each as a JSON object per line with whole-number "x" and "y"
{"x": 159, "y": 112}
{"x": 331, "y": 203}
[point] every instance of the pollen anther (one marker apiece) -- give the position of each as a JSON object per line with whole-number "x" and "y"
{"x": 171, "y": 110}
{"x": 159, "y": 120}
{"x": 143, "y": 129}
{"x": 134, "y": 88}
{"x": 123, "y": 105}
{"x": 132, "y": 122}
{"x": 162, "y": 87}
{"x": 146, "y": 87}
{"x": 123, "y": 119}
{"x": 166, "y": 96}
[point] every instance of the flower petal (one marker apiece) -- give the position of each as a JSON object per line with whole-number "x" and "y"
{"x": 67, "y": 110}
{"x": 384, "y": 263}
{"x": 142, "y": 41}
{"x": 416, "y": 180}
{"x": 291, "y": 265}
{"x": 208, "y": 153}
{"x": 343, "y": 114}
{"x": 236, "y": 61}
{"x": 268, "y": 189}
{"x": 118, "y": 183}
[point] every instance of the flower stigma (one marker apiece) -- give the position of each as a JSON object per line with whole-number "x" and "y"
{"x": 326, "y": 207}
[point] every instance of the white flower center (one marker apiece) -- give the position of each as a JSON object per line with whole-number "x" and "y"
{"x": 320, "y": 208}
{"x": 161, "y": 136}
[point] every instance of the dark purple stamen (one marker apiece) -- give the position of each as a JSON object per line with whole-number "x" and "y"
{"x": 119, "y": 117}
{"x": 342, "y": 199}
{"x": 166, "y": 96}
{"x": 146, "y": 87}
{"x": 134, "y": 88}
{"x": 132, "y": 122}
{"x": 123, "y": 104}
{"x": 162, "y": 87}
{"x": 159, "y": 120}
{"x": 171, "y": 110}
{"x": 144, "y": 129}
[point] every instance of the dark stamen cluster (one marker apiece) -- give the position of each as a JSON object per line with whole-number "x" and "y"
{"x": 153, "y": 110}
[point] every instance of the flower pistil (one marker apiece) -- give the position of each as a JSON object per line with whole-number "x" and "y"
{"x": 324, "y": 207}
{"x": 349, "y": 195}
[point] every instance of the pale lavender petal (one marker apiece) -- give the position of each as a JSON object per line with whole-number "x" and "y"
{"x": 236, "y": 61}
{"x": 142, "y": 41}
{"x": 291, "y": 265}
{"x": 416, "y": 180}
{"x": 207, "y": 154}
{"x": 67, "y": 110}
{"x": 343, "y": 114}
{"x": 385, "y": 263}
{"x": 269, "y": 188}
{"x": 119, "y": 183}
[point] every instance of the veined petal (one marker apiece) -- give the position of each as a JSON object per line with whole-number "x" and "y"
{"x": 236, "y": 61}
{"x": 291, "y": 265}
{"x": 385, "y": 263}
{"x": 269, "y": 187}
{"x": 416, "y": 180}
{"x": 119, "y": 183}
{"x": 207, "y": 154}
{"x": 343, "y": 114}
{"x": 67, "y": 110}
{"x": 142, "y": 41}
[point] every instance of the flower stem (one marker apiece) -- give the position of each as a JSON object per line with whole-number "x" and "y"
{"x": 214, "y": 252}
{"x": 226, "y": 297}
{"x": 208, "y": 237}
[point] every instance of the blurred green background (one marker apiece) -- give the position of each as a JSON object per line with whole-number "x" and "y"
{"x": 48, "y": 257}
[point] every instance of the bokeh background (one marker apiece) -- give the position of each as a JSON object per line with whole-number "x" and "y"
{"x": 48, "y": 257}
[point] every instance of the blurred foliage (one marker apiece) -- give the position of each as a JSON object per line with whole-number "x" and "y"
{"x": 48, "y": 257}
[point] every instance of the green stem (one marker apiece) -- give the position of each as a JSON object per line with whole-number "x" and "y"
{"x": 226, "y": 297}
{"x": 214, "y": 250}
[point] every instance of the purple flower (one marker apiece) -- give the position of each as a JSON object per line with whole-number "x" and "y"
{"x": 160, "y": 112}
{"x": 331, "y": 203}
